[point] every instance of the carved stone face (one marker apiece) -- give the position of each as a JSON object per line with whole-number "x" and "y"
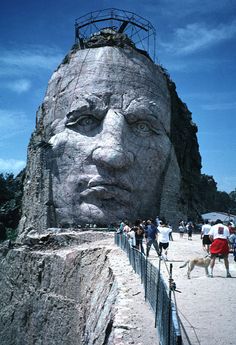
{"x": 110, "y": 141}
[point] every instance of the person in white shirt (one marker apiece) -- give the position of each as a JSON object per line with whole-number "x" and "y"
{"x": 164, "y": 238}
{"x": 131, "y": 237}
{"x": 182, "y": 229}
{"x": 219, "y": 235}
{"x": 126, "y": 228}
{"x": 206, "y": 242}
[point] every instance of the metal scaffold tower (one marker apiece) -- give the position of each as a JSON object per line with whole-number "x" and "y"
{"x": 139, "y": 30}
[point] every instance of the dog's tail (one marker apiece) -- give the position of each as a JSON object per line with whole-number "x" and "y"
{"x": 185, "y": 264}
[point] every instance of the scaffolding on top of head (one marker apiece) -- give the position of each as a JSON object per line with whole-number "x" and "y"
{"x": 139, "y": 30}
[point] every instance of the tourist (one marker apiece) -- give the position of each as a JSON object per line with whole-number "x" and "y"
{"x": 126, "y": 228}
{"x": 206, "y": 242}
{"x": 151, "y": 235}
{"x": 190, "y": 228}
{"x": 232, "y": 239}
{"x": 231, "y": 227}
{"x": 219, "y": 235}
{"x": 131, "y": 236}
{"x": 139, "y": 234}
{"x": 164, "y": 232}
{"x": 121, "y": 227}
{"x": 143, "y": 224}
{"x": 157, "y": 221}
{"x": 181, "y": 229}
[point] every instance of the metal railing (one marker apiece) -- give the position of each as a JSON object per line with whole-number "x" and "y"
{"x": 138, "y": 29}
{"x": 156, "y": 293}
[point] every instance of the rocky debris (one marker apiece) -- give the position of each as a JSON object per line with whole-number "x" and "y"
{"x": 59, "y": 237}
{"x": 80, "y": 294}
{"x": 110, "y": 37}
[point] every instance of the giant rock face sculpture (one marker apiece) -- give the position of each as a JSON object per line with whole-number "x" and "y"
{"x": 106, "y": 123}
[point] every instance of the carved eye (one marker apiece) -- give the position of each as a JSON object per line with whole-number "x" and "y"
{"x": 87, "y": 121}
{"x": 142, "y": 128}
{"x": 84, "y": 123}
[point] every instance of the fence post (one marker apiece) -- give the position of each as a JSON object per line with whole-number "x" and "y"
{"x": 158, "y": 284}
{"x": 145, "y": 281}
{"x": 141, "y": 257}
{"x": 134, "y": 260}
{"x": 169, "y": 304}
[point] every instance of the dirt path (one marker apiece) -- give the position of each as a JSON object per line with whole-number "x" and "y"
{"x": 206, "y": 305}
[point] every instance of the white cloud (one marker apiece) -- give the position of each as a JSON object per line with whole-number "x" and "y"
{"x": 19, "y": 86}
{"x": 198, "y": 36}
{"x": 29, "y": 59}
{"x": 11, "y": 165}
{"x": 20, "y": 66}
{"x": 13, "y": 123}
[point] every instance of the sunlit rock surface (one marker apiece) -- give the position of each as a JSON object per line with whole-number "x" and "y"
{"x": 112, "y": 141}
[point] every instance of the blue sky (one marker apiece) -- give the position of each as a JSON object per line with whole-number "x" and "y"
{"x": 196, "y": 43}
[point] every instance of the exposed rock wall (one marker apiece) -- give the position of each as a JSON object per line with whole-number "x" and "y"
{"x": 184, "y": 138}
{"x": 64, "y": 297}
{"x": 54, "y": 294}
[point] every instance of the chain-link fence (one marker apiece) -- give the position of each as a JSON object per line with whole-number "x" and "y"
{"x": 156, "y": 293}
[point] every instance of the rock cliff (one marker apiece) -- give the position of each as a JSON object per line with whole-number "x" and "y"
{"x": 112, "y": 141}
{"x": 72, "y": 288}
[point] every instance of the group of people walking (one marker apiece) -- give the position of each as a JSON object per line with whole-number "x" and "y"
{"x": 186, "y": 227}
{"x": 217, "y": 238}
{"x": 156, "y": 234}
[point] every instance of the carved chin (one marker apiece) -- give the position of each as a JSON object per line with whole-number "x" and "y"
{"x": 90, "y": 213}
{"x": 87, "y": 213}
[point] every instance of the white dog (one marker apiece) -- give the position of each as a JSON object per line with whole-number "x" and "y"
{"x": 201, "y": 262}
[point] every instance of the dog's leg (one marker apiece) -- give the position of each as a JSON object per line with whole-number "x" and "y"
{"x": 185, "y": 264}
{"x": 207, "y": 272}
{"x": 190, "y": 268}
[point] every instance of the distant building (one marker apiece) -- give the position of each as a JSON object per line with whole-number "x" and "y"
{"x": 225, "y": 217}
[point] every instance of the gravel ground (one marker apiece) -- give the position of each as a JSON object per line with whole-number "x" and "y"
{"x": 206, "y": 306}
{"x": 134, "y": 320}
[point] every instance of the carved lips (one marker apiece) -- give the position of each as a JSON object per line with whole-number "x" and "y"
{"x": 108, "y": 189}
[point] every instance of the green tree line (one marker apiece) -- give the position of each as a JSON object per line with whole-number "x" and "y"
{"x": 212, "y": 200}
{"x": 10, "y": 204}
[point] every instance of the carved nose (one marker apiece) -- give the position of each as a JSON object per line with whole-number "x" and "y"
{"x": 115, "y": 158}
{"x": 112, "y": 152}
